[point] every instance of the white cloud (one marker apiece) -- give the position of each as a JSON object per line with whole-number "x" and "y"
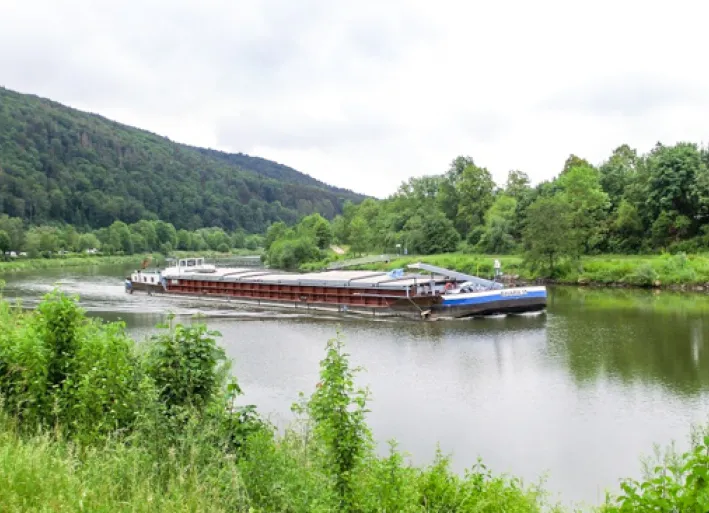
{"x": 364, "y": 95}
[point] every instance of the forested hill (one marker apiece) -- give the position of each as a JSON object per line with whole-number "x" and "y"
{"x": 58, "y": 164}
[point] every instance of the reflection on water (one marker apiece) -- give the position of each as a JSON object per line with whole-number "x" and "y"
{"x": 579, "y": 392}
{"x": 654, "y": 338}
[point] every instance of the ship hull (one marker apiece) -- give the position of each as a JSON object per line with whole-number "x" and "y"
{"x": 400, "y": 309}
{"x": 370, "y": 293}
{"x": 505, "y": 301}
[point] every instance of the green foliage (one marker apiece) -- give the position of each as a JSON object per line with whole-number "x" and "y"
{"x": 674, "y": 483}
{"x": 123, "y": 239}
{"x": 88, "y": 423}
{"x": 63, "y": 168}
{"x": 643, "y": 276}
{"x": 337, "y": 409}
{"x": 498, "y": 237}
{"x": 546, "y": 236}
{"x": 41, "y": 474}
{"x": 275, "y": 231}
{"x": 629, "y": 204}
{"x": 672, "y": 184}
{"x": 661, "y": 229}
{"x": 474, "y": 187}
{"x": 113, "y": 440}
{"x": 429, "y": 231}
{"x": 317, "y": 227}
{"x": 517, "y": 185}
{"x": 60, "y": 370}
{"x": 627, "y": 228}
{"x": 618, "y": 173}
{"x": 60, "y": 165}
{"x": 5, "y": 242}
{"x": 587, "y": 207}
{"x": 291, "y": 252}
{"x": 184, "y": 365}
{"x": 24, "y": 264}
{"x": 359, "y": 237}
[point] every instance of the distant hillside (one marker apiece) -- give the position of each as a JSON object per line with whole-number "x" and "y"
{"x": 58, "y": 164}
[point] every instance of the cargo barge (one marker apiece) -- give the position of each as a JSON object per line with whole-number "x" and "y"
{"x": 442, "y": 293}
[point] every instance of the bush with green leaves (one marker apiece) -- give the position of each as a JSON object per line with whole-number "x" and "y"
{"x": 184, "y": 363}
{"x": 63, "y": 371}
{"x": 673, "y": 482}
{"x": 87, "y": 421}
{"x": 326, "y": 462}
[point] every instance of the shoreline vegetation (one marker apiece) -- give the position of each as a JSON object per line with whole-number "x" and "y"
{"x": 91, "y": 420}
{"x": 30, "y": 264}
{"x": 673, "y": 272}
{"x": 633, "y": 220}
{"x": 12, "y": 265}
{"x": 678, "y": 272}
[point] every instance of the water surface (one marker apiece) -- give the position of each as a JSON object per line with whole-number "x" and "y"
{"x": 578, "y": 393}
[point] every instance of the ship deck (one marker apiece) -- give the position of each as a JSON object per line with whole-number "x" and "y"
{"x": 335, "y": 279}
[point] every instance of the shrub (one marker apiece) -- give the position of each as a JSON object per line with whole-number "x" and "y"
{"x": 291, "y": 253}
{"x": 676, "y": 483}
{"x": 643, "y": 276}
{"x": 184, "y": 365}
{"x": 63, "y": 371}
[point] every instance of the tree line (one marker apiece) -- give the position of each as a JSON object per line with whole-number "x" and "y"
{"x": 118, "y": 238}
{"x": 60, "y": 165}
{"x": 630, "y": 203}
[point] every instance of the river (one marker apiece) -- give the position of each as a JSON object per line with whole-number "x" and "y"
{"x": 578, "y": 393}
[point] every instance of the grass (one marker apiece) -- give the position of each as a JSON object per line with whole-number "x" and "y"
{"x": 79, "y": 260}
{"x": 171, "y": 438}
{"x": 609, "y": 270}
{"x": 90, "y": 421}
{"x": 29, "y": 264}
{"x": 216, "y": 254}
{"x": 42, "y": 473}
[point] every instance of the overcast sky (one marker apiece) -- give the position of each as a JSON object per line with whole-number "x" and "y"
{"x": 364, "y": 94}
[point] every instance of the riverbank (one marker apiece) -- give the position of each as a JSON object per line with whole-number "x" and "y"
{"x": 31, "y": 264}
{"x": 79, "y": 260}
{"x": 677, "y": 272}
{"x": 89, "y": 422}
{"x": 181, "y": 449}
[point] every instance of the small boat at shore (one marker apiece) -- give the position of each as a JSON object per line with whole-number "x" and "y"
{"x": 442, "y": 293}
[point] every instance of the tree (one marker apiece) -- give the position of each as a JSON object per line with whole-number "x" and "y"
{"x": 432, "y": 232}
{"x": 661, "y": 229}
{"x": 290, "y": 253}
{"x": 238, "y": 239}
{"x": 573, "y": 161}
{"x": 627, "y": 227}
{"x": 166, "y": 234}
{"x": 317, "y": 226}
{"x": 184, "y": 240}
{"x": 499, "y": 224}
{"x": 14, "y": 227}
{"x": 120, "y": 237}
{"x": 618, "y": 172}
{"x": 588, "y": 206}
{"x": 673, "y": 173}
{"x": 340, "y": 229}
{"x": 275, "y": 231}
{"x": 475, "y": 187}
{"x": 517, "y": 184}
{"x": 359, "y": 235}
{"x": 5, "y": 243}
{"x": 88, "y": 241}
{"x": 458, "y": 165}
{"x": 87, "y": 171}
{"x": 546, "y": 231}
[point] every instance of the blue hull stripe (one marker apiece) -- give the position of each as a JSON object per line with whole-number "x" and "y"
{"x": 476, "y": 300}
